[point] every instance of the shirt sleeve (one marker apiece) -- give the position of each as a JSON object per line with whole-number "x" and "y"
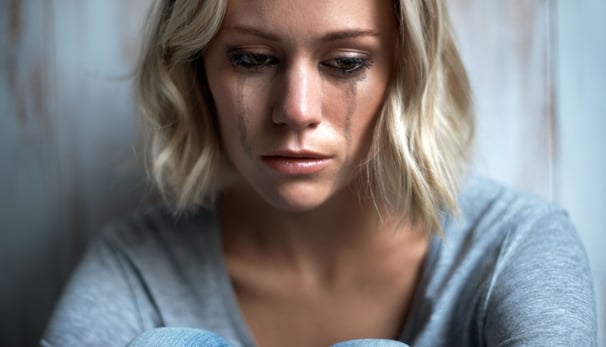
{"x": 541, "y": 292}
{"x": 101, "y": 305}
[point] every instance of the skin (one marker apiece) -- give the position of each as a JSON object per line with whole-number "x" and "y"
{"x": 311, "y": 262}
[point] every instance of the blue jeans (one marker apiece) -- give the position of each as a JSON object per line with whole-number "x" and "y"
{"x": 187, "y": 337}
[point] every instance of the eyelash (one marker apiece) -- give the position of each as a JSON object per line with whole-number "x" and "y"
{"x": 256, "y": 62}
{"x": 251, "y": 62}
{"x": 359, "y": 65}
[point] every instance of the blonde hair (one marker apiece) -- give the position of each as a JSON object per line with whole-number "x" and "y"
{"x": 421, "y": 139}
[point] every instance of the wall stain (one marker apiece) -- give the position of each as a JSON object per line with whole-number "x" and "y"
{"x": 14, "y": 30}
{"x": 28, "y": 66}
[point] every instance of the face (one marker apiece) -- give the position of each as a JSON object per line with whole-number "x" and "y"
{"x": 298, "y": 86}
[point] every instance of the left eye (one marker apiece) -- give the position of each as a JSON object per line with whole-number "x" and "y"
{"x": 347, "y": 65}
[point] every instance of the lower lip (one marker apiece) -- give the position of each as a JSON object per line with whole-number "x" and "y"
{"x": 296, "y": 166}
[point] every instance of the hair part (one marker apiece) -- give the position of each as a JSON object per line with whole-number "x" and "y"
{"x": 421, "y": 139}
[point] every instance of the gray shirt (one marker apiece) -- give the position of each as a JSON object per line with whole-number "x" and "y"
{"x": 510, "y": 271}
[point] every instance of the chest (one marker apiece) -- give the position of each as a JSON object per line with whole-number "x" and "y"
{"x": 302, "y": 317}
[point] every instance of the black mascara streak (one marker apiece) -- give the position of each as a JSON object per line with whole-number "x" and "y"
{"x": 352, "y": 92}
{"x": 244, "y": 142}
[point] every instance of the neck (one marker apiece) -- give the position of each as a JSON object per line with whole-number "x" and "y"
{"x": 344, "y": 233}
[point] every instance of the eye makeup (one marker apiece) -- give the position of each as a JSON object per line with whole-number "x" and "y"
{"x": 342, "y": 66}
{"x": 243, "y": 61}
{"x": 347, "y": 66}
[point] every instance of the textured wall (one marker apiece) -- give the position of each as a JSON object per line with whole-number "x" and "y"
{"x": 581, "y": 103}
{"x": 67, "y": 140}
{"x": 506, "y": 48}
{"x": 69, "y": 157}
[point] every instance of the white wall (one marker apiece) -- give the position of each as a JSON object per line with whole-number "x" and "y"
{"x": 581, "y": 105}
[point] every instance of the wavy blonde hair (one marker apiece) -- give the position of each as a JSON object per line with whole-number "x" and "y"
{"x": 420, "y": 142}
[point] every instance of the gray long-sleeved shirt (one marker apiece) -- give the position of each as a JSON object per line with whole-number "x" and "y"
{"x": 510, "y": 271}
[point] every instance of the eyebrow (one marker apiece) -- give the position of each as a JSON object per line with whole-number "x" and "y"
{"x": 346, "y": 34}
{"x": 331, "y": 36}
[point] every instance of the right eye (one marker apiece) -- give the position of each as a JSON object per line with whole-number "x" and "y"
{"x": 251, "y": 62}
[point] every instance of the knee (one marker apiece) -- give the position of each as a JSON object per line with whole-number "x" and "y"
{"x": 178, "y": 337}
{"x": 370, "y": 343}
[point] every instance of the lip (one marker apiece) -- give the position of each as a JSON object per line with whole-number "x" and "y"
{"x": 296, "y": 162}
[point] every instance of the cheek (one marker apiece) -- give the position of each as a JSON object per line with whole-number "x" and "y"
{"x": 339, "y": 107}
{"x": 370, "y": 101}
{"x": 242, "y": 110}
{"x": 365, "y": 99}
{"x": 239, "y": 104}
{"x": 226, "y": 95}
{"x": 351, "y": 96}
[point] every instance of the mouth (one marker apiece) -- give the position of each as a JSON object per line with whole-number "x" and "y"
{"x": 296, "y": 162}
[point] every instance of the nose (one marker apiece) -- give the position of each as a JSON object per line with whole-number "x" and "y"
{"x": 299, "y": 98}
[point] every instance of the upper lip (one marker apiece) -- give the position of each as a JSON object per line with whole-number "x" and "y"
{"x": 297, "y": 154}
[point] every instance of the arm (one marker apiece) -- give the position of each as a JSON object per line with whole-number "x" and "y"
{"x": 100, "y": 305}
{"x": 541, "y": 292}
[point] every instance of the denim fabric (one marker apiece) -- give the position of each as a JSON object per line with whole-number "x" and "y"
{"x": 178, "y": 337}
{"x": 370, "y": 343}
{"x": 186, "y": 337}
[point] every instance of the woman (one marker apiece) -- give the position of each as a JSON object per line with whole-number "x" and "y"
{"x": 314, "y": 153}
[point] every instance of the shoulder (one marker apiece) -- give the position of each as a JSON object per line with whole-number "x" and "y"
{"x": 157, "y": 226}
{"x": 492, "y": 222}
{"x": 510, "y": 270}
{"x": 495, "y": 216}
{"x": 500, "y": 228}
{"x": 128, "y": 279}
{"x": 514, "y": 226}
{"x": 484, "y": 201}
{"x": 527, "y": 262}
{"x": 162, "y": 249}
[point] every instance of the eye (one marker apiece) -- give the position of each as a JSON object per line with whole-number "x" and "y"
{"x": 347, "y": 65}
{"x": 251, "y": 62}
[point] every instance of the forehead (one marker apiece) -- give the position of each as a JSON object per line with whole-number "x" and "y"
{"x": 311, "y": 17}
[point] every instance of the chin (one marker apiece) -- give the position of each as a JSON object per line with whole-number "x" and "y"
{"x": 297, "y": 200}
